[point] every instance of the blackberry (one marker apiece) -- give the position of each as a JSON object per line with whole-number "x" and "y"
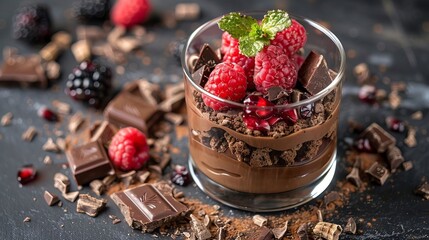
{"x": 89, "y": 10}
{"x": 32, "y": 23}
{"x": 89, "y": 83}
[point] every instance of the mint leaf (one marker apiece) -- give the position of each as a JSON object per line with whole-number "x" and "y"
{"x": 275, "y": 21}
{"x": 250, "y": 46}
{"x": 236, "y": 24}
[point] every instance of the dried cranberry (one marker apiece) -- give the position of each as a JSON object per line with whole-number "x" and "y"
{"x": 180, "y": 175}
{"x": 26, "y": 174}
{"x": 47, "y": 114}
{"x": 363, "y": 145}
{"x": 306, "y": 111}
{"x": 254, "y": 123}
{"x": 395, "y": 124}
{"x": 367, "y": 94}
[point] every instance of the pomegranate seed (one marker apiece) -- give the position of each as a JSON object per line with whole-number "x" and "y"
{"x": 180, "y": 175}
{"x": 363, "y": 145}
{"x": 395, "y": 124}
{"x": 254, "y": 123}
{"x": 26, "y": 174}
{"x": 367, "y": 94}
{"x": 47, "y": 114}
{"x": 290, "y": 116}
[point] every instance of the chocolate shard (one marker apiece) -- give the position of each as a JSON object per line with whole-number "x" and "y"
{"x": 394, "y": 157}
{"x": 379, "y": 173}
{"x": 207, "y": 57}
{"x": 408, "y": 165}
{"x": 262, "y": 233}
{"x": 302, "y": 231}
{"x": 90, "y": 205}
{"x": 379, "y": 138}
{"x": 127, "y": 109}
{"x": 423, "y": 190}
{"x": 331, "y": 197}
{"x": 354, "y": 177}
{"x": 350, "y": 226}
{"x": 88, "y": 162}
{"x": 50, "y": 198}
{"x": 61, "y": 182}
{"x": 280, "y": 231}
{"x": 275, "y": 93}
{"x": 147, "y": 208}
{"x": 327, "y": 230}
{"x": 259, "y": 220}
{"x": 71, "y": 196}
{"x": 97, "y": 187}
{"x": 103, "y": 132}
{"x": 201, "y": 75}
{"x": 314, "y": 73}
{"x": 200, "y": 231}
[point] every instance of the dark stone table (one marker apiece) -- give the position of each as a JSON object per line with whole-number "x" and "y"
{"x": 393, "y": 34}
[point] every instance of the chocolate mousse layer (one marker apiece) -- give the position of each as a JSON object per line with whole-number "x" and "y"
{"x": 247, "y": 162}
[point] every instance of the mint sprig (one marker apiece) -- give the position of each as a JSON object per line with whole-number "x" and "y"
{"x": 252, "y": 36}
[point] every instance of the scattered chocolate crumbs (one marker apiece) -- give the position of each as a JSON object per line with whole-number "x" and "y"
{"x": 6, "y": 119}
{"x": 411, "y": 140}
{"x": 350, "y": 226}
{"x": 29, "y": 134}
{"x": 27, "y": 219}
{"x": 90, "y": 205}
{"x": 50, "y": 198}
{"x": 51, "y": 146}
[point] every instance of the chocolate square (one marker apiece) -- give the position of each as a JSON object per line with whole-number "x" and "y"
{"x": 379, "y": 138}
{"x": 129, "y": 110}
{"x": 23, "y": 70}
{"x": 379, "y": 173}
{"x": 314, "y": 73}
{"x": 207, "y": 57}
{"x": 88, "y": 162}
{"x": 102, "y": 132}
{"x": 147, "y": 208}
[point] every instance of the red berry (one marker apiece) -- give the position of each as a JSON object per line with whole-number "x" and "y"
{"x": 367, "y": 94}
{"x": 274, "y": 68}
{"x": 291, "y": 39}
{"x": 226, "y": 81}
{"x": 26, "y": 174}
{"x": 180, "y": 175}
{"x": 128, "y": 13}
{"x": 290, "y": 116}
{"x": 227, "y": 42}
{"x": 129, "y": 149}
{"x": 298, "y": 60}
{"x": 395, "y": 124}
{"x": 255, "y": 123}
{"x": 256, "y": 106}
{"x": 47, "y": 114}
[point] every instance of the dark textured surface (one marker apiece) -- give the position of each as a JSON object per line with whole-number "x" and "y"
{"x": 402, "y": 46}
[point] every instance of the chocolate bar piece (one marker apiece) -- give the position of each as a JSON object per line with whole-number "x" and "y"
{"x": 50, "y": 198}
{"x": 90, "y": 205}
{"x": 423, "y": 190}
{"x": 147, "y": 208}
{"x": 379, "y": 138}
{"x": 61, "y": 182}
{"x": 71, "y": 196}
{"x": 199, "y": 229}
{"x": 88, "y": 162}
{"x": 379, "y": 173}
{"x": 23, "y": 70}
{"x": 201, "y": 75}
{"x": 314, "y": 73}
{"x": 102, "y": 132}
{"x": 207, "y": 57}
{"x": 262, "y": 233}
{"x": 394, "y": 157}
{"x": 129, "y": 110}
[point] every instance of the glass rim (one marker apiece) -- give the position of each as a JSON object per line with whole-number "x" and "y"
{"x": 309, "y": 100}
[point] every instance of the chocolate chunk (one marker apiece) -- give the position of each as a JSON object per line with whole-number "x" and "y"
{"x": 147, "y": 208}
{"x": 144, "y": 89}
{"x": 88, "y": 162}
{"x": 275, "y": 93}
{"x": 354, "y": 177}
{"x": 90, "y": 205}
{"x": 6, "y": 119}
{"x": 103, "y": 132}
{"x": 302, "y": 231}
{"x": 201, "y": 75}
{"x": 379, "y": 138}
{"x": 50, "y": 198}
{"x": 200, "y": 231}
{"x": 172, "y": 103}
{"x": 81, "y": 50}
{"x": 350, "y": 226}
{"x": 408, "y": 165}
{"x": 207, "y": 57}
{"x": 280, "y": 231}
{"x": 61, "y": 182}
{"x": 27, "y": 219}
{"x": 327, "y": 230}
{"x": 423, "y": 190}
{"x": 71, "y": 196}
{"x": 411, "y": 140}
{"x": 51, "y": 146}
{"x": 23, "y": 70}
{"x": 187, "y": 11}
{"x": 259, "y": 220}
{"x": 29, "y": 134}
{"x": 129, "y": 110}
{"x": 331, "y": 197}
{"x": 97, "y": 187}
{"x": 262, "y": 233}
{"x": 361, "y": 72}
{"x": 108, "y": 180}
{"x": 378, "y": 172}
{"x": 394, "y": 157}
{"x": 314, "y": 73}
{"x": 75, "y": 122}
{"x": 143, "y": 176}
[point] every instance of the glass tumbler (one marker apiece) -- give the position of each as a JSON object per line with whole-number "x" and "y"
{"x": 288, "y": 164}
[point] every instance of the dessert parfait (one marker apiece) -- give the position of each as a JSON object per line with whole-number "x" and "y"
{"x": 263, "y": 95}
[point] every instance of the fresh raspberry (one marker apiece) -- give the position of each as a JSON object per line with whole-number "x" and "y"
{"x": 128, "y": 149}
{"x": 226, "y": 81}
{"x": 227, "y": 42}
{"x": 291, "y": 39}
{"x": 274, "y": 68}
{"x": 298, "y": 60}
{"x": 128, "y": 13}
{"x": 233, "y": 55}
